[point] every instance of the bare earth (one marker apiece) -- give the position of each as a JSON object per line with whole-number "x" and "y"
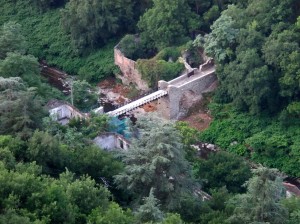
{"x": 200, "y": 120}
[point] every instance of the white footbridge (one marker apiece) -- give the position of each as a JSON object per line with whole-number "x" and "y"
{"x": 205, "y": 69}
{"x": 140, "y": 102}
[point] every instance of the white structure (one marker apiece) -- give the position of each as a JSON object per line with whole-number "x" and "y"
{"x": 62, "y": 111}
{"x": 133, "y": 105}
{"x": 110, "y": 141}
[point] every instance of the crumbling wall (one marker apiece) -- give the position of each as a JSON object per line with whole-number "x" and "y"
{"x": 180, "y": 98}
{"x": 129, "y": 70}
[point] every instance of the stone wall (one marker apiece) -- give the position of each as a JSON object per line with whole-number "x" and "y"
{"x": 129, "y": 70}
{"x": 181, "y": 98}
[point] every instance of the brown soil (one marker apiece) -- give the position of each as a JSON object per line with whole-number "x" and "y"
{"x": 110, "y": 83}
{"x": 199, "y": 116}
{"x": 200, "y": 120}
{"x": 150, "y": 107}
{"x": 121, "y": 89}
{"x": 107, "y": 83}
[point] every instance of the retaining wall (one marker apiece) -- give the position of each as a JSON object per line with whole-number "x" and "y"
{"x": 129, "y": 70}
{"x": 173, "y": 106}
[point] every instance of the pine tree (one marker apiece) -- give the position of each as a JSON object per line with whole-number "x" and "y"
{"x": 156, "y": 160}
{"x": 149, "y": 211}
{"x": 261, "y": 203}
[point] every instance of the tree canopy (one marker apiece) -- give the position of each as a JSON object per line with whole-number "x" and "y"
{"x": 156, "y": 161}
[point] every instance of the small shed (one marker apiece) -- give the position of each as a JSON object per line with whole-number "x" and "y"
{"x": 110, "y": 141}
{"x": 62, "y": 111}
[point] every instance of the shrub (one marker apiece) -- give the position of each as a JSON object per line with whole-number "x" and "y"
{"x": 169, "y": 53}
{"x": 99, "y": 65}
{"x": 154, "y": 70}
{"x": 131, "y": 47}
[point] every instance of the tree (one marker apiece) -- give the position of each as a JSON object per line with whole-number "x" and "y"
{"x": 219, "y": 42}
{"x": 292, "y": 204}
{"x": 167, "y": 23}
{"x": 131, "y": 47}
{"x": 279, "y": 45}
{"x": 94, "y": 162}
{"x": 250, "y": 83}
{"x": 215, "y": 211}
{"x": 84, "y": 95}
{"x": 261, "y": 203}
{"x": 44, "y": 149}
{"x": 92, "y": 127}
{"x": 149, "y": 211}
{"x": 20, "y": 108}
{"x": 223, "y": 169}
{"x": 290, "y": 81}
{"x": 11, "y": 39}
{"x": 43, "y": 5}
{"x": 114, "y": 214}
{"x": 93, "y": 22}
{"x": 24, "y": 66}
{"x": 156, "y": 160}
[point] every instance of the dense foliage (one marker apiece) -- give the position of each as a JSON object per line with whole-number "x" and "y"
{"x": 55, "y": 174}
{"x": 265, "y": 140}
{"x": 153, "y": 70}
{"x": 256, "y": 46}
{"x": 155, "y": 164}
{"x": 92, "y": 23}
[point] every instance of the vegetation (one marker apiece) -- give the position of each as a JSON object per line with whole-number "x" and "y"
{"x": 155, "y": 164}
{"x": 174, "y": 26}
{"x": 153, "y": 70}
{"x": 55, "y": 174}
{"x": 91, "y": 23}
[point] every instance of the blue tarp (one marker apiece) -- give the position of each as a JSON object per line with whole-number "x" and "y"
{"x": 120, "y": 126}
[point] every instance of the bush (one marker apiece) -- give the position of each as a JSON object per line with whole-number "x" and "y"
{"x": 263, "y": 139}
{"x": 47, "y": 40}
{"x": 154, "y": 70}
{"x": 167, "y": 53}
{"x": 131, "y": 47}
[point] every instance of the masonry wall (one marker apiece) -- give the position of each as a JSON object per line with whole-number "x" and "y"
{"x": 129, "y": 70}
{"x": 171, "y": 107}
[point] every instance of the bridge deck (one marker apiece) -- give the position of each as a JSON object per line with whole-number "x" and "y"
{"x": 197, "y": 75}
{"x": 137, "y": 103}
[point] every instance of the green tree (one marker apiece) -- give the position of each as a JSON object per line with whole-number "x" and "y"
{"x": 131, "y": 47}
{"x": 44, "y": 5}
{"x": 20, "y": 108}
{"x": 250, "y": 82}
{"x": 149, "y": 211}
{"x": 92, "y": 127}
{"x": 223, "y": 169}
{"x": 44, "y": 149}
{"x": 167, "y": 23}
{"x": 84, "y": 95}
{"x": 279, "y": 45}
{"x": 292, "y": 204}
{"x": 261, "y": 203}
{"x": 24, "y": 66}
{"x": 156, "y": 160}
{"x": 94, "y": 162}
{"x": 93, "y": 22}
{"x": 114, "y": 214}
{"x": 11, "y": 39}
{"x": 290, "y": 81}
{"x": 215, "y": 210}
{"x": 153, "y": 70}
{"x": 219, "y": 42}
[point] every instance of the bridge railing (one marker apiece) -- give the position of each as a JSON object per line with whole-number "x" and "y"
{"x": 135, "y": 104}
{"x": 136, "y": 98}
